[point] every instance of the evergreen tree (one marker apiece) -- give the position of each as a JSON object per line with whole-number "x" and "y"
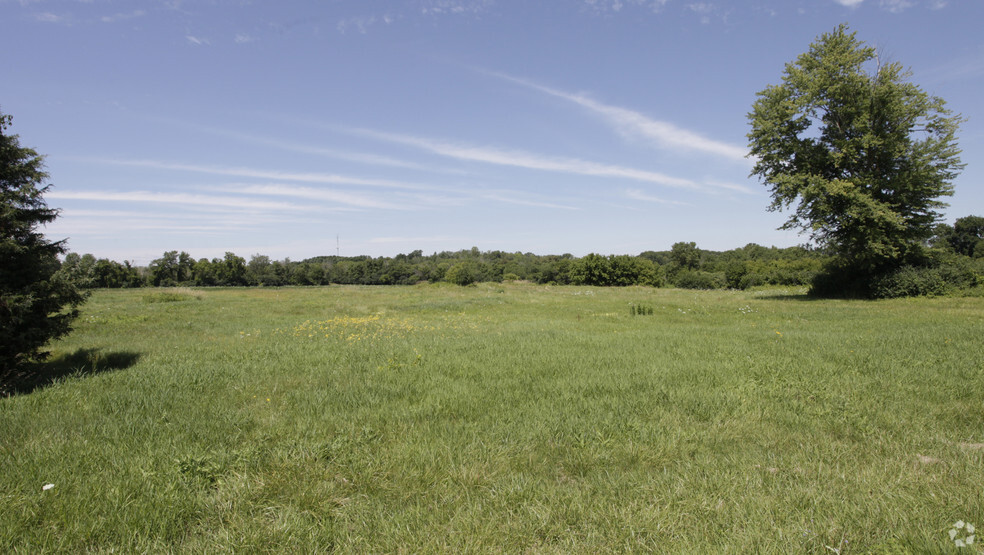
{"x": 37, "y": 302}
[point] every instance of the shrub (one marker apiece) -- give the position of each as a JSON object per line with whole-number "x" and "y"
{"x": 909, "y": 281}
{"x": 751, "y": 280}
{"x": 695, "y": 279}
{"x": 460, "y": 274}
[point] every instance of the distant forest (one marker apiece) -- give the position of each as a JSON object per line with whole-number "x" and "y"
{"x": 959, "y": 250}
{"x": 684, "y": 265}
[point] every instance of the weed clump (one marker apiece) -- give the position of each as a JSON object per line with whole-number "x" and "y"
{"x": 641, "y": 310}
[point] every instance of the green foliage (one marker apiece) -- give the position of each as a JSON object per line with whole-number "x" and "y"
{"x": 697, "y": 279}
{"x": 81, "y": 270}
{"x": 750, "y": 266}
{"x": 641, "y": 310}
{"x": 861, "y": 154}
{"x": 171, "y": 269}
{"x": 461, "y": 273}
{"x": 764, "y": 266}
{"x": 37, "y": 302}
{"x": 592, "y": 269}
{"x": 941, "y": 273}
{"x": 615, "y": 270}
{"x": 201, "y": 469}
{"x": 909, "y": 281}
{"x": 967, "y": 236}
{"x": 685, "y": 255}
{"x": 735, "y": 273}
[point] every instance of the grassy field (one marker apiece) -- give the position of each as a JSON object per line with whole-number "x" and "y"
{"x": 499, "y": 418}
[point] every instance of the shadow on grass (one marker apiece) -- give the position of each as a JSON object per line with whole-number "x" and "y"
{"x": 83, "y": 362}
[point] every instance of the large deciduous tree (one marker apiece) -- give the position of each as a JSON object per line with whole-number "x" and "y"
{"x": 37, "y": 302}
{"x": 861, "y": 154}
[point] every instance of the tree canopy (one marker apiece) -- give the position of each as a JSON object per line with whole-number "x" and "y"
{"x": 860, "y": 154}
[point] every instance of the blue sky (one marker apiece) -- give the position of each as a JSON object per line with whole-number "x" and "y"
{"x": 294, "y": 128}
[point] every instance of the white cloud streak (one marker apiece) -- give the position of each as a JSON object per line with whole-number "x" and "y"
{"x": 896, "y": 6}
{"x": 188, "y": 199}
{"x": 264, "y": 174}
{"x": 123, "y": 16}
{"x": 506, "y": 198}
{"x": 636, "y": 194}
{"x": 716, "y": 183}
{"x": 347, "y": 155}
{"x": 340, "y": 197}
{"x": 113, "y": 223}
{"x": 527, "y": 160}
{"x": 48, "y": 17}
{"x": 634, "y": 124}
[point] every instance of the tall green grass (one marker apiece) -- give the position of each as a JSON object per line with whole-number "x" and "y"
{"x": 499, "y": 418}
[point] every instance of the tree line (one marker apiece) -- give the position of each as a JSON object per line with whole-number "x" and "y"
{"x": 959, "y": 247}
{"x": 684, "y": 265}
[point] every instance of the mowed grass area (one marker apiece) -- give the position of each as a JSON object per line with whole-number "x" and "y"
{"x": 503, "y": 418}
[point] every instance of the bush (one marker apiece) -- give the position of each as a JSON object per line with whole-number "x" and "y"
{"x": 909, "y": 281}
{"x": 460, "y": 274}
{"x": 939, "y": 275}
{"x": 695, "y": 279}
{"x": 734, "y": 274}
{"x": 751, "y": 280}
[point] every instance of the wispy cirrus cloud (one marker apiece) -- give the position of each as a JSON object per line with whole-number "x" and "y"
{"x": 186, "y": 199}
{"x": 337, "y": 154}
{"x": 455, "y": 7}
{"x": 893, "y": 6}
{"x": 637, "y": 194}
{"x": 615, "y": 6}
{"x": 634, "y": 124}
{"x": 50, "y": 17}
{"x": 309, "y": 193}
{"x": 197, "y": 41}
{"x": 122, "y": 16}
{"x": 719, "y": 184}
{"x": 275, "y": 175}
{"x": 896, "y": 6}
{"x": 510, "y": 197}
{"x": 520, "y": 159}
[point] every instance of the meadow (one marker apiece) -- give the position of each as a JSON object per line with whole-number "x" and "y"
{"x": 499, "y": 418}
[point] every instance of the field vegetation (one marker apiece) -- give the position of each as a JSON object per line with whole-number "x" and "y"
{"x": 497, "y": 417}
